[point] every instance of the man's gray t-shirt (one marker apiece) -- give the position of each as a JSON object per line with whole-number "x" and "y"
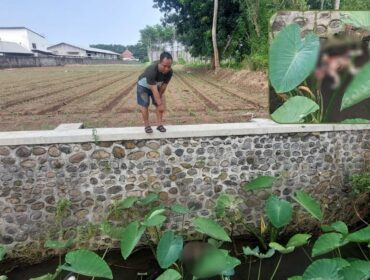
{"x": 152, "y": 76}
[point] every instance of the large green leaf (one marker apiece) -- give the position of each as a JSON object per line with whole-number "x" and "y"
{"x": 361, "y": 265}
{"x": 292, "y": 59}
{"x": 324, "y": 269}
{"x": 87, "y": 263}
{"x": 260, "y": 182}
{"x": 294, "y": 110}
{"x": 280, "y": 248}
{"x": 362, "y": 235}
{"x": 350, "y": 273}
{"x": 326, "y": 243}
{"x": 155, "y": 221}
{"x": 111, "y": 230}
{"x": 215, "y": 262}
{"x": 169, "y": 249}
{"x": 130, "y": 237}
{"x": 223, "y": 201}
{"x": 127, "y": 202}
{"x": 279, "y": 211}
{"x": 58, "y": 244}
{"x": 180, "y": 209}
{"x": 256, "y": 252}
{"x": 2, "y": 252}
{"x": 308, "y": 203}
{"x": 150, "y": 197}
{"x": 298, "y": 239}
{"x": 169, "y": 274}
{"x": 338, "y": 226}
{"x": 211, "y": 228}
{"x": 356, "y": 121}
{"x": 359, "y": 89}
{"x": 359, "y": 19}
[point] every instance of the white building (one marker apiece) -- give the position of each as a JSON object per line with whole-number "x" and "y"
{"x": 64, "y": 49}
{"x": 26, "y": 38}
{"x": 10, "y": 48}
{"x": 177, "y": 50}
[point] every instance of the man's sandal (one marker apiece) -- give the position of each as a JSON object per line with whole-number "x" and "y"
{"x": 161, "y": 128}
{"x": 148, "y": 129}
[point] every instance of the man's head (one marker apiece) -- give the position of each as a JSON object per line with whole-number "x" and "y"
{"x": 165, "y": 62}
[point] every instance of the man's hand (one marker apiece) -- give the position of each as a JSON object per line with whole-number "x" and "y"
{"x": 161, "y": 107}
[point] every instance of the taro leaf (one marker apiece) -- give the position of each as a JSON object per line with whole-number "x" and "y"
{"x": 338, "y": 226}
{"x": 294, "y": 110}
{"x": 281, "y": 248}
{"x": 292, "y": 59}
{"x": 154, "y": 218}
{"x": 2, "y": 252}
{"x": 179, "y": 209}
{"x": 298, "y": 239}
{"x": 169, "y": 249}
{"x": 87, "y": 263}
{"x": 350, "y": 273}
{"x": 359, "y": 19}
{"x": 308, "y": 203}
{"x": 215, "y": 262}
{"x": 43, "y": 277}
{"x": 58, "y": 244}
{"x": 361, "y": 265}
{"x": 130, "y": 237}
{"x": 223, "y": 201}
{"x": 260, "y": 182}
{"x": 127, "y": 202}
{"x": 356, "y": 121}
{"x": 169, "y": 274}
{"x": 149, "y": 198}
{"x": 279, "y": 211}
{"x": 326, "y": 243}
{"x": 113, "y": 231}
{"x": 211, "y": 228}
{"x": 362, "y": 235}
{"x": 256, "y": 252}
{"x": 359, "y": 88}
{"x": 323, "y": 269}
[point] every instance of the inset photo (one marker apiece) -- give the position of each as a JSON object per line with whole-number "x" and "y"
{"x": 319, "y": 67}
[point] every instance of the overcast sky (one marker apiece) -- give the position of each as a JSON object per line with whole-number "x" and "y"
{"x": 81, "y": 22}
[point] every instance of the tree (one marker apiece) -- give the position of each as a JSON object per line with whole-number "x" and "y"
{"x": 336, "y": 4}
{"x": 216, "y": 59}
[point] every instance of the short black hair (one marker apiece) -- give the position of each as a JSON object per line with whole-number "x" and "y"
{"x": 165, "y": 55}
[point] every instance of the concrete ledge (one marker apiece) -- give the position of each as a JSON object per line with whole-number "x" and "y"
{"x": 254, "y": 127}
{"x": 69, "y": 126}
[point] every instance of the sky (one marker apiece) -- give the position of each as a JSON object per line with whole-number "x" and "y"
{"x": 81, "y": 22}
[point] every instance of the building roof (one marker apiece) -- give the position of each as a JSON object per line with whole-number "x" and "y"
{"x": 85, "y": 48}
{"x": 21, "y": 27}
{"x": 11, "y": 47}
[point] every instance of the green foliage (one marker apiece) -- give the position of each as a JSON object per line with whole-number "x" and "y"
{"x": 87, "y": 263}
{"x": 338, "y": 226}
{"x": 63, "y": 207}
{"x": 261, "y": 182}
{"x": 130, "y": 237}
{"x": 2, "y": 252}
{"x": 309, "y": 204}
{"x": 295, "y": 241}
{"x": 324, "y": 269}
{"x": 179, "y": 209}
{"x": 211, "y": 228}
{"x": 362, "y": 235}
{"x": 279, "y": 211}
{"x": 256, "y": 252}
{"x": 326, "y": 243}
{"x": 294, "y": 110}
{"x": 361, "y": 182}
{"x": 169, "y": 274}
{"x": 356, "y": 121}
{"x": 58, "y": 244}
{"x": 169, "y": 249}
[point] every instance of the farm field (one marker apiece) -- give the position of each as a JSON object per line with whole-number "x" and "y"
{"x": 105, "y": 96}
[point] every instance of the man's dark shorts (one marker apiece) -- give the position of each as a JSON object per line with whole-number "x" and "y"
{"x": 144, "y": 95}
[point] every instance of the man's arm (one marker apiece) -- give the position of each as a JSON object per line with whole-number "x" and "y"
{"x": 162, "y": 89}
{"x": 157, "y": 95}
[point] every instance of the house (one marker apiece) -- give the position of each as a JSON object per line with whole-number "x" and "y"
{"x": 26, "y": 38}
{"x": 10, "y": 48}
{"x": 65, "y": 49}
{"x": 128, "y": 56}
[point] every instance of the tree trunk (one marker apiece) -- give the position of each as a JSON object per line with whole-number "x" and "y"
{"x": 322, "y": 4}
{"x": 214, "y": 37}
{"x": 336, "y": 4}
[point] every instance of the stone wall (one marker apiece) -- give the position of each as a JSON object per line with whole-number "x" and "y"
{"x": 24, "y": 61}
{"x": 191, "y": 171}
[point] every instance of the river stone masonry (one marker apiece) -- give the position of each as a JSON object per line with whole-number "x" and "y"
{"x": 189, "y": 171}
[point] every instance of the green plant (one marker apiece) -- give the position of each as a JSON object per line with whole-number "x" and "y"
{"x": 95, "y": 136}
{"x": 289, "y": 75}
{"x": 361, "y": 182}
